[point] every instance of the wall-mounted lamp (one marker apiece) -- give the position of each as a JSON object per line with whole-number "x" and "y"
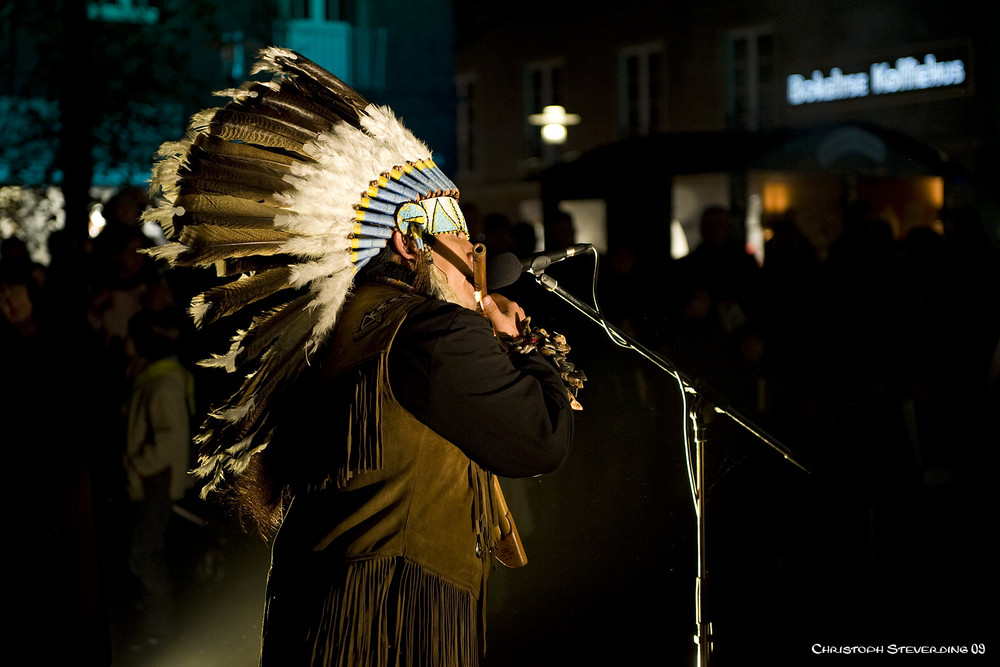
{"x": 554, "y": 120}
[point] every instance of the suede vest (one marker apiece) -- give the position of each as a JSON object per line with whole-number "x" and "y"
{"x": 407, "y": 514}
{"x": 407, "y": 491}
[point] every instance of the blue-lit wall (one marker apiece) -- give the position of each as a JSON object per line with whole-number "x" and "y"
{"x": 144, "y": 67}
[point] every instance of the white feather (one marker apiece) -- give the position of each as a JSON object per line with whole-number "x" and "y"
{"x": 305, "y": 273}
{"x": 168, "y": 251}
{"x": 331, "y": 294}
{"x": 198, "y": 309}
{"x": 235, "y": 414}
{"x": 267, "y": 58}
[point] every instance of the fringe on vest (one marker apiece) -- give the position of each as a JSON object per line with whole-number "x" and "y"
{"x": 432, "y": 623}
{"x": 364, "y": 446}
{"x": 364, "y": 427}
{"x": 428, "y": 604}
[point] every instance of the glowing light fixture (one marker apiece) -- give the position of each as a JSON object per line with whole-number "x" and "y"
{"x": 554, "y": 120}
{"x": 777, "y": 197}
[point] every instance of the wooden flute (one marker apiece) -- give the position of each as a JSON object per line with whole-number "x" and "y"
{"x": 479, "y": 272}
{"x": 510, "y": 549}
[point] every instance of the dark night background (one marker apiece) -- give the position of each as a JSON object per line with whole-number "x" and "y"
{"x": 878, "y": 357}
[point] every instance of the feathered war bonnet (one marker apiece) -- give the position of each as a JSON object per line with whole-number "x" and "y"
{"x": 291, "y": 186}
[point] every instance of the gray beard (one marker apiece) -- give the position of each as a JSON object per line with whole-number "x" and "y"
{"x": 441, "y": 289}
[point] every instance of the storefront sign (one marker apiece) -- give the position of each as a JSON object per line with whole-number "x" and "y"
{"x": 906, "y": 74}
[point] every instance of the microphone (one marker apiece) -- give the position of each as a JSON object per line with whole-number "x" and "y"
{"x": 505, "y": 268}
{"x": 539, "y": 262}
{"x": 502, "y": 270}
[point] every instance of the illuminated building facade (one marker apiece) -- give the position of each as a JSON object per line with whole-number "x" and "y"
{"x": 772, "y": 110}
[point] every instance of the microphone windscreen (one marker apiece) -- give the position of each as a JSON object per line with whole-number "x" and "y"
{"x": 502, "y": 270}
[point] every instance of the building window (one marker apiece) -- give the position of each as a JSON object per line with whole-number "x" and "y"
{"x": 319, "y": 30}
{"x": 234, "y": 55}
{"x": 750, "y": 79}
{"x": 465, "y": 123}
{"x": 299, "y": 9}
{"x": 317, "y": 10}
{"x": 542, "y": 88}
{"x": 640, "y": 90}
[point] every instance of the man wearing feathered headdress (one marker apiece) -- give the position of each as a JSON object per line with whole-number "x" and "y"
{"x": 380, "y": 402}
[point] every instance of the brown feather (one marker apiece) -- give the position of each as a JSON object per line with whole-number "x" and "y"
{"x": 217, "y": 182}
{"x": 305, "y": 70}
{"x": 225, "y": 167}
{"x": 245, "y": 153}
{"x": 208, "y": 244}
{"x": 223, "y": 205}
{"x": 268, "y": 326}
{"x": 260, "y": 386}
{"x": 258, "y": 130}
{"x": 286, "y": 106}
{"x": 229, "y": 298}
{"x": 224, "y": 220}
{"x": 237, "y": 265}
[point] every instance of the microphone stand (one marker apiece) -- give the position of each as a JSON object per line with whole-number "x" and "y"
{"x": 706, "y": 404}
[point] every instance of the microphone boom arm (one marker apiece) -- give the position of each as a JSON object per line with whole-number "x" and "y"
{"x": 706, "y": 403}
{"x": 624, "y": 340}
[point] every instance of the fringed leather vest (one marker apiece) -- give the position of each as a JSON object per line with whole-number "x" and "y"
{"x": 404, "y": 524}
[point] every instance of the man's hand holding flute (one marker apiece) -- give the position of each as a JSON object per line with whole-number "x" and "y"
{"x": 505, "y": 315}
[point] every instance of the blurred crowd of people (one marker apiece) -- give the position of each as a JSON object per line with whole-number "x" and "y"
{"x": 878, "y": 351}
{"x": 98, "y": 402}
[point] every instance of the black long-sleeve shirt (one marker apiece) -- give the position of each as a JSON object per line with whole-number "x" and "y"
{"x": 508, "y": 412}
